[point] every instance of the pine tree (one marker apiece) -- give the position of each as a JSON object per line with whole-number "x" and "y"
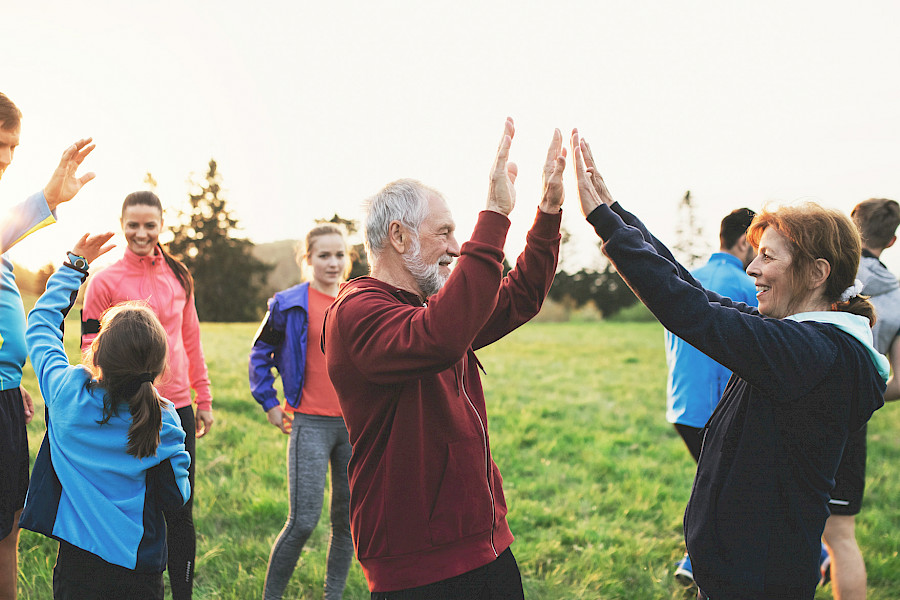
{"x": 229, "y": 282}
{"x": 690, "y": 247}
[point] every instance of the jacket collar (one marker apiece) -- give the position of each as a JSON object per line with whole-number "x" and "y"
{"x": 150, "y": 260}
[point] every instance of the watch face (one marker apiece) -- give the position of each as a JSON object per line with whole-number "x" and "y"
{"x": 80, "y": 263}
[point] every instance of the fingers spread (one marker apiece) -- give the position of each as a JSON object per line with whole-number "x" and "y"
{"x": 86, "y": 177}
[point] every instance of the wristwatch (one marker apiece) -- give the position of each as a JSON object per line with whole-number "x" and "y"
{"x": 79, "y": 263}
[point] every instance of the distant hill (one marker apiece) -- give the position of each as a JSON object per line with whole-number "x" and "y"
{"x": 281, "y": 254}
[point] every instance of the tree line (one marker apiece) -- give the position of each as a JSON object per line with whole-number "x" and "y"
{"x": 231, "y": 283}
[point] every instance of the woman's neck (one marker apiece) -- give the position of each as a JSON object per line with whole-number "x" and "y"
{"x": 329, "y": 289}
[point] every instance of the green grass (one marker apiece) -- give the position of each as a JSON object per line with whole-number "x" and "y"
{"x": 596, "y": 480}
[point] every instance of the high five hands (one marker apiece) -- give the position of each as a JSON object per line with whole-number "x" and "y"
{"x": 592, "y": 190}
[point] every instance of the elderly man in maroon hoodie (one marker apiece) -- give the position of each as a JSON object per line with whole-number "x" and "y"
{"x": 427, "y": 511}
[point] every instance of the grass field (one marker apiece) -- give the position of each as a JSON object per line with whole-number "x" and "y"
{"x": 596, "y": 480}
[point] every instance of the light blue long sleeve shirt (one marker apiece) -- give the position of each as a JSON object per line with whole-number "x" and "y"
{"x": 696, "y": 382}
{"x": 19, "y": 221}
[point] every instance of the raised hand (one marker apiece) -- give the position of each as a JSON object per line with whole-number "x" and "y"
{"x": 502, "y": 191}
{"x": 63, "y": 184}
{"x": 592, "y": 190}
{"x": 90, "y": 246}
{"x": 554, "y": 193}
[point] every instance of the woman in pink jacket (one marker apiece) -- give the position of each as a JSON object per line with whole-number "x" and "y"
{"x": 148, "y": 273}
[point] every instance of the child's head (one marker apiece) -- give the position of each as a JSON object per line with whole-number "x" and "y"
{"x": 127, "y": 355}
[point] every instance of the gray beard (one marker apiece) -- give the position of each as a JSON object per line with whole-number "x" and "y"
{"x": 428, "y": 277}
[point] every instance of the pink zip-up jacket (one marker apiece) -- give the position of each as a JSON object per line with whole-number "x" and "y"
{"x": 149, "y": 278}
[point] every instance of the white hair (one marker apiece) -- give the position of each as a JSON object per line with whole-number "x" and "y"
{"x": 404, "y": 200}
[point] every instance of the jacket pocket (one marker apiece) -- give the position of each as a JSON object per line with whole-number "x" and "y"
{"x": 464, "y": 505}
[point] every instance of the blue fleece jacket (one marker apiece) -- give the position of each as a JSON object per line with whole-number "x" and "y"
{"x": 771, "y": 448}
{"x": 85, "y": 488}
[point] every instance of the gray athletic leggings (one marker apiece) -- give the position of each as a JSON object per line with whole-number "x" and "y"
{"x": 315, "y": 441}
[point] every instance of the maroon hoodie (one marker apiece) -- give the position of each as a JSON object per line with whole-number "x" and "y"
{"x": 426, "y": 499}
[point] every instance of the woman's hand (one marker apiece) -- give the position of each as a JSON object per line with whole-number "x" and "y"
{"x": 279, "y": 419}
{"x": 90, "y": 246}
{"x": 592, "y": 191}
{"x": 203, "y": 422}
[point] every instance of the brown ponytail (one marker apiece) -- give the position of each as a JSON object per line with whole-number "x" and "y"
{"x": 145, "y": 198}
{"x": 127, "y": 355}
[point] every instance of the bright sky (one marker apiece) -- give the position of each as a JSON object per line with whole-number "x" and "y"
{"x": 309, "y": 107}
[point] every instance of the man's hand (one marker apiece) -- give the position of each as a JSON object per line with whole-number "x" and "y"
{"x": 63, "y": 183}
{"x": 592, "y": 191}
{"x": 554, "y": 194}
{"x": 90, "y": 246}
{"x": 29, "y": 405}
{"x": 279, "y": 419}
{"x": 502, "y": 193}
{"x": 203, "y": 422}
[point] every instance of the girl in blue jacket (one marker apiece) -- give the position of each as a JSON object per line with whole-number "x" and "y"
{"x": 288, "y": 340}
{"x": 113, "y": 456}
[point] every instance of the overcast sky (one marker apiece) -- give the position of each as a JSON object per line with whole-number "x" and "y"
{"x": 311, "y": 107}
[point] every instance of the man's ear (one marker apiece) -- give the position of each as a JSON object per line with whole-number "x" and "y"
{"x": 891, "y": 243}
{"x": 398, "y": 237}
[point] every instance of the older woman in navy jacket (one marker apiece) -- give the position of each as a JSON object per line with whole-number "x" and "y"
{"x": 805, "y": 375}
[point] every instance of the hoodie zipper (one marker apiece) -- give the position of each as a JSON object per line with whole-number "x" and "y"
{"x": 487, "y": 464}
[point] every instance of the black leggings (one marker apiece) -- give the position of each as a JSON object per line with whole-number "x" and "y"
{"x": 692, "y": 439}
{"x": 80, "y": 575}
{"x": 181, "y": 538}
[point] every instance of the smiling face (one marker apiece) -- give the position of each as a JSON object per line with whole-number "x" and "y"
{"x": 9, "y": 139}
{"x": 328, "y": 258}
{"x": 775, "y": 286}
{"x": 141, "y": 225}
{"x": 433, "y": 250}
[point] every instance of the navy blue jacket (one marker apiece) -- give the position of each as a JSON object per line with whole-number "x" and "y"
{"x": 281, "y": 343}
{"x": 771, "y": 448}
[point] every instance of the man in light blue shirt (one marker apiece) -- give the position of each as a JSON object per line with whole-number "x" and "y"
{"x": 16, "y": 408}
{"x": 696, "y": 382}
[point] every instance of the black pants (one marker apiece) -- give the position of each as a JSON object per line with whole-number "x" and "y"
{"x": 81, "y": 575}
{"x": 498, "y": 580}
{"x": 181, "y": 538}
{"x": 692, "y": 439}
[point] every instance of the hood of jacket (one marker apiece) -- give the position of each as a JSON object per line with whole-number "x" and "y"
{"x": 855, "y": 325}
{"x": 878, "y": 280}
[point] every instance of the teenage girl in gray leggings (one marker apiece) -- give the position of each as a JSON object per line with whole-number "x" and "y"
{"x": 288, "y": 340}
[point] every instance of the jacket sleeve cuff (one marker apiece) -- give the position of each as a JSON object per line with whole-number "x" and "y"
{"x": 546, "y": 225}
{"x": 605, "y": 221}
{"x": 491, "y": 229}
{"x": 269, "y": 403}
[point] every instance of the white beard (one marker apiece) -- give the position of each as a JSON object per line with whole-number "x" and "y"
{"x": 428, "y": 277}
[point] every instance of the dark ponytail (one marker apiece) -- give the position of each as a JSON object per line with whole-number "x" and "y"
{"x": 128, "y": 354}
{"x": 145, "y": 198}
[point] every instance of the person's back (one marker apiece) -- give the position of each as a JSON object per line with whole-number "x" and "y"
{"x": 695, "y": 381}
{"x": 117, "y": 448}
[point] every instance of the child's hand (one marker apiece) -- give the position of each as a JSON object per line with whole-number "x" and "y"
{"x": 90, "y": 246}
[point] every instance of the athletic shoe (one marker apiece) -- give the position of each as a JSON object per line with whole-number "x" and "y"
{"x": 683, "y": 571}
{"x": 824, "y": 566}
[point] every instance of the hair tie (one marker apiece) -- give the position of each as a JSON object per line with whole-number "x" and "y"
{"x": 134, "y": 384}
{"x": 853, "y": 291}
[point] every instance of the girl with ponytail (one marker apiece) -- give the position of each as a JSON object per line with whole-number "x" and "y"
{"x": 149, "y": 274}
{"x": 113, "y": 457}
